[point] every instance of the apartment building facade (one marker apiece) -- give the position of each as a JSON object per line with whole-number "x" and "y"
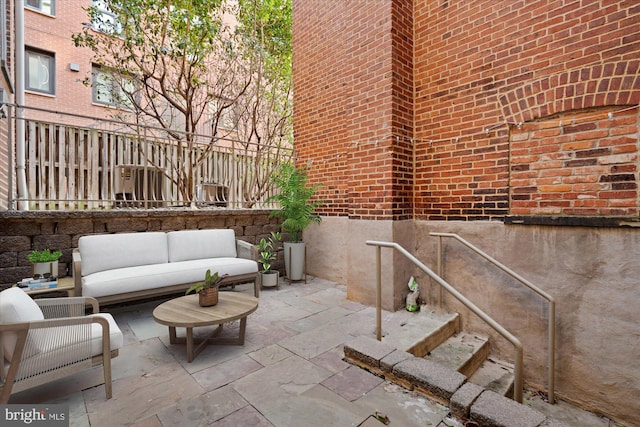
{"x": 58, "y": 74}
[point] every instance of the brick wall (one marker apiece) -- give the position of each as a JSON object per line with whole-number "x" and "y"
{"x": 582, "y": 163}
{"x": 20, "y": 232}
{"x": 481, "y": 72}
{"x": 353, "y": 112}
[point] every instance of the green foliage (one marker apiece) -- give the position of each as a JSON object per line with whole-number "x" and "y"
{"x": 210, "y": 280}
{"x": 44, "y": 256}
{"x": 267, "y": 248}
{"x": 294, "y": 197}
{"x": 268, "y": 24}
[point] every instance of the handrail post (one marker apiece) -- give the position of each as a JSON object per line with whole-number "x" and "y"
{"x": 552, "y": 350}
{"x": 440, "y": 255}
{"x": 378, "y": 293}
{"x": 518, "y": 381}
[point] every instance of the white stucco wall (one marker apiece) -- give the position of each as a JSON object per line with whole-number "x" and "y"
{"x": 593, "y": 273}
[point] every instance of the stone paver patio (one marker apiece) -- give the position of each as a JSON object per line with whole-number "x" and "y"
{"x": 290, "y": 372}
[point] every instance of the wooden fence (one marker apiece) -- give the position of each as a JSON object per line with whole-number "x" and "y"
{"x": 75, "y": 168}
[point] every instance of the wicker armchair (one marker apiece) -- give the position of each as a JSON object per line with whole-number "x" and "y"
{"x": 47, "y": 339}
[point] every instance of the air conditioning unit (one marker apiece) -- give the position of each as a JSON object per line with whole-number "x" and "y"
{"x": 130, "y": 190}
{"x": 212, "y": 194}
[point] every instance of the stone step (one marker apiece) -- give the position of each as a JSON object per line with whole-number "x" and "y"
{"x": 420, "y": 332}
{"x": 496, "y": 376}
{"x": 463, "y": 352}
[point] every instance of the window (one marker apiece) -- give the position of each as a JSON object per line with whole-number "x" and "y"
{"x": 228, "y": 116}
{"x": 111, "y": 89}
{"x": 40, "y": 71}
{"x": 107, "y": 21}
{"x": 44, "y": 6}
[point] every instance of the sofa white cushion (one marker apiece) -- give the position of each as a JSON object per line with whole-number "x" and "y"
{"x": 16, "y": 306}
{"x": 102, "y": 252}
{"x": 140, "y": 278}
{"x": 201, "y": 244}
{"x": 55, "y": 353}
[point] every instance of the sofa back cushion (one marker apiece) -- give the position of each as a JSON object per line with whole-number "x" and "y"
{"x": 200, "y": 244}
{"x": 16, "y": 306}
{"x": 103, "y": 252}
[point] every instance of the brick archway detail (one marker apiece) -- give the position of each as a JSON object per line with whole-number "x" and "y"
{"x": 595, "y": 86}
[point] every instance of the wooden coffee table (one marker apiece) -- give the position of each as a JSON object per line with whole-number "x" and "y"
{"x": 185, "y": 312}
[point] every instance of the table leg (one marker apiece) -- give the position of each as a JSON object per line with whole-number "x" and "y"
{"x": 190, "y": 341}
{"x": 243, "y": 327}
{"x": 189, "y": 344}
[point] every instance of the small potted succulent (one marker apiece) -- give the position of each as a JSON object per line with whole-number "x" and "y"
{"x": 44, "y": 262}
{"x": 207, "y": 290}
{"x": 268, "y": 252}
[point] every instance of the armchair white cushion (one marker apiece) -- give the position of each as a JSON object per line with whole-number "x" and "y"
{"x": 52, "y": 338}
{"x": 16, "y": 306}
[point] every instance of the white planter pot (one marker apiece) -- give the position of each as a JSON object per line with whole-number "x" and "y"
{"x": 46, "y": 267}
{"x": 294, "y": 260}
{"x": 269, "y": 280}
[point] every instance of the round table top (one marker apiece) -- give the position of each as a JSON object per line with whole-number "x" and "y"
{"x": 185, "y": 312}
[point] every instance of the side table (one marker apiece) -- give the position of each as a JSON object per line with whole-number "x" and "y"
{"x": 65, "y": 284}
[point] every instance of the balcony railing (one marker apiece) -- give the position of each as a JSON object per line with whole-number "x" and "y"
{"x": 75, "y": 162}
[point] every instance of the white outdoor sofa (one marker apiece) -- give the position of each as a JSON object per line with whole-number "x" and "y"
{"x": 122, "y": 267}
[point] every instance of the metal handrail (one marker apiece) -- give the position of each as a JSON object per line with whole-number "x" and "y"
{"x": 528, "y": 284}
{"x": 518, "y": 380}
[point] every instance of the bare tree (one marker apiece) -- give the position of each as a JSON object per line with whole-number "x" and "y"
{"x": 182, "y": 64}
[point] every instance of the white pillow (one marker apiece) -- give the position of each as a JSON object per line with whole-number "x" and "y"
{"x": 187, "y": 245}
{"x": 17, "y": 306}
{"x": 102, "y": 252}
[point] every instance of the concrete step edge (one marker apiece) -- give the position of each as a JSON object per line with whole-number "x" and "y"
{"x": 463, "y": 352}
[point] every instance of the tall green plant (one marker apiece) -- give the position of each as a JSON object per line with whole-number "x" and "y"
{"x": 294, "y": 197}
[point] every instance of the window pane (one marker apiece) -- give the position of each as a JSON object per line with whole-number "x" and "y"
{"x": 101, "y": 87}
{"x": 107, "y": 21}
{"x": 111, "y": 90}
{"x": 44, "y": 6}
{"x": 39, "y": 72}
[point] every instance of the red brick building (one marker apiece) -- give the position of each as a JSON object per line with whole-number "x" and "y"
{"x": 511, "y": 123}
{"x": 474, "y": 110}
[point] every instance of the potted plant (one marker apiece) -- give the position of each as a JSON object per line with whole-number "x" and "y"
{"x": 207, "y": 290}
{"x": 298, "y": 212}
{"x": 268, "y": 252}
{"x": 44, "y": 262}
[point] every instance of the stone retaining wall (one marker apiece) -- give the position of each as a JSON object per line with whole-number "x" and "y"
{"x": 20, "y": 231}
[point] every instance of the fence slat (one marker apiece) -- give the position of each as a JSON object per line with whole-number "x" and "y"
{"x": 71, "y": 167}
{"x": 33, "y": 168}
{"x": 82, "y": 167}
{"x": 61, "y": 163}
{"x": 94, "y": 150}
